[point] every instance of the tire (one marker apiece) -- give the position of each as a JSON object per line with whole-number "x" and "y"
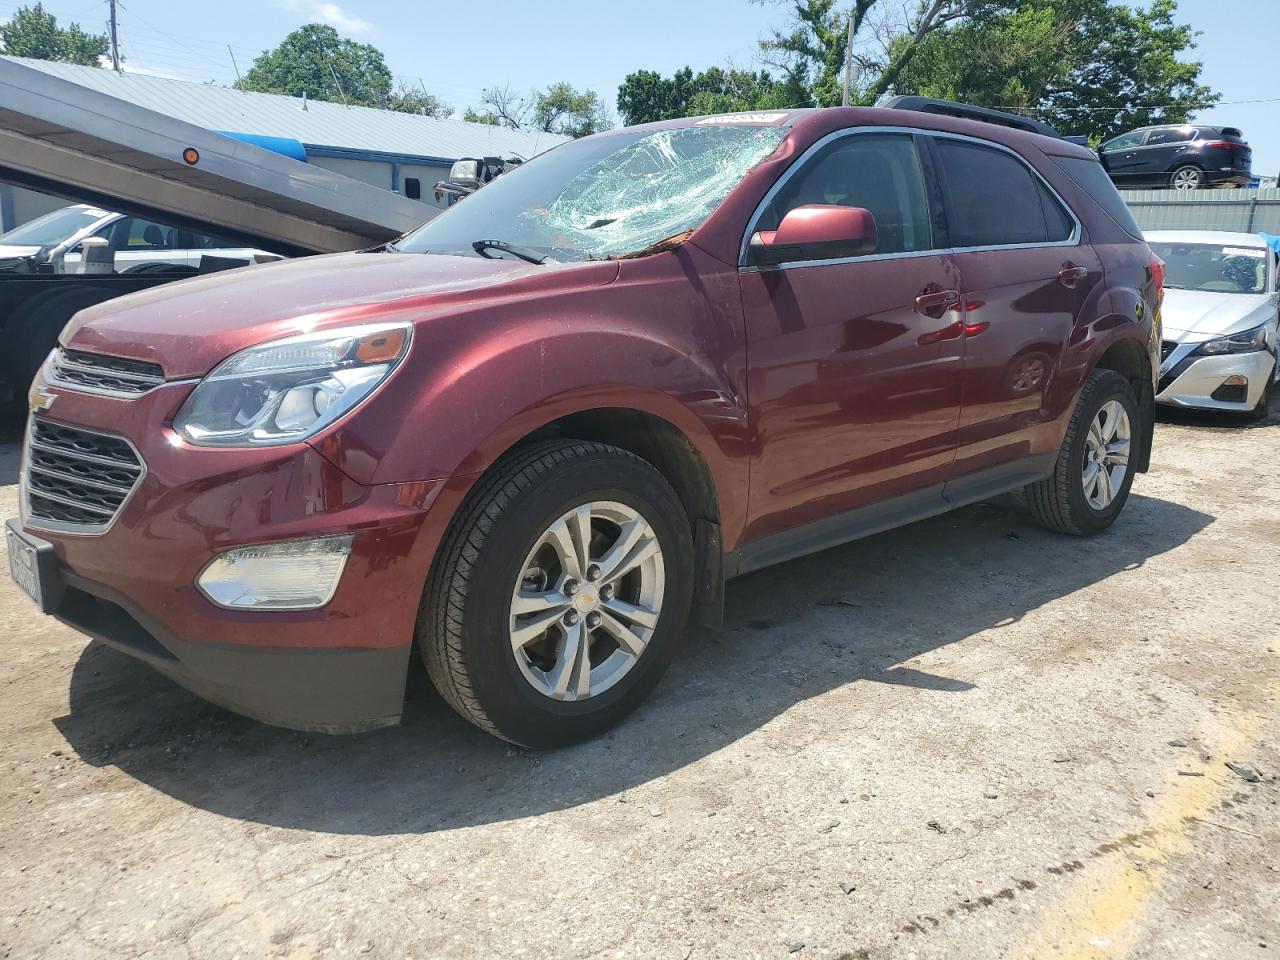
{"x": 1059, "y": 502}
{"x": 466, "y": 623}
{"x": 1187, "y": 177}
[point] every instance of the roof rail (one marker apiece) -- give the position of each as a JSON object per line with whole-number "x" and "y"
{"x": 965, "y": 111}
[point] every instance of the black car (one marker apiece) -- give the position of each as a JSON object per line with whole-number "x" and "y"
{"x": 1181, "y": 156}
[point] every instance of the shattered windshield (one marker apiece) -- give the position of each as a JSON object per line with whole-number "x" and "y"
{"x": 599, "y": 198}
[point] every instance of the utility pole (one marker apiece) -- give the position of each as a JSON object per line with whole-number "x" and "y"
{"x": 848, "y": 61}
{"x": 115, "y": 45}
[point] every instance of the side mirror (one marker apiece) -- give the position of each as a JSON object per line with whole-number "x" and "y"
{"x": 816, "y": 231}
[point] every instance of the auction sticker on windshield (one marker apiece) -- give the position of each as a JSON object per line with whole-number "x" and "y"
{"x": 749, "y": 118}
{"x": 1243, "y": 252}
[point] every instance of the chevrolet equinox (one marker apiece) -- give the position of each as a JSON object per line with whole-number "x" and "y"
{"x": 534, "y": 438}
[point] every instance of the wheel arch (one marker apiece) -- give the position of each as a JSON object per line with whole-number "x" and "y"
{"x": 673, "y": 453}
{"x": 1130, "y": 358}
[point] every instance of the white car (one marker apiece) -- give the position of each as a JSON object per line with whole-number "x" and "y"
{"x": 1219, "y": 349}
{"x": 134, "y": 241}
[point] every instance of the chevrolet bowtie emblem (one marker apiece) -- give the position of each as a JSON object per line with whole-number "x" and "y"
{"x": 40, "y": 399}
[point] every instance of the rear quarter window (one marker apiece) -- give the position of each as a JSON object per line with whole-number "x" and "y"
{"x": 1093, "y": 180}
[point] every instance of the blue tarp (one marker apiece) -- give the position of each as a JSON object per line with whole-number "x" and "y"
{"x": 281, "y": 145}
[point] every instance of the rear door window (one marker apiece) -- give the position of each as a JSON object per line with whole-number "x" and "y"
{"x": 881, "y": 173}
{"x": 995, "y": 200}
{"x": 1169, "y": 135}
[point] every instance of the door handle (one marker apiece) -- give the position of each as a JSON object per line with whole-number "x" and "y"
{"x": 934, "y": 302}
{"x": 1070, "y": 274}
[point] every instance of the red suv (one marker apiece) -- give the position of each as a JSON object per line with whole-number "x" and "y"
{"x": 536, "y": 436}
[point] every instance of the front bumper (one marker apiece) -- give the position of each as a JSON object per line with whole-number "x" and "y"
{"x": 1190, "y": 381}
{"x": 337, "y": 669}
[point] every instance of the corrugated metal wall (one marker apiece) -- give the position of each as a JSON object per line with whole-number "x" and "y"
{"x": 1246, "y": 211}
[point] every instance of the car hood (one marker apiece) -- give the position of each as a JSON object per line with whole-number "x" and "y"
{"x": 1191, "y": 316}
{"x": 11, "y": 252}
{"x": 190, "y": 326}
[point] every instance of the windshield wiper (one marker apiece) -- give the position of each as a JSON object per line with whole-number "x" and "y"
{"x": 524, "y": 253}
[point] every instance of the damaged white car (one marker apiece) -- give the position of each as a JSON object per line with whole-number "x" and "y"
{"x": 1220, "y": 313}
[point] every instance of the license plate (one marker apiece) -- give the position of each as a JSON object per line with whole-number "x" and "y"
{"x": 33, "y": 568}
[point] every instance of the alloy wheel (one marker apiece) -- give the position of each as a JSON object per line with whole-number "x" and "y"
{"x": 1188, "y": 178}
{"x": 1106, "y": 454}
{"x": 587, "y": 601}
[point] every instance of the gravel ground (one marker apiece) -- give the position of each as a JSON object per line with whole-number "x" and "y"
{"x": 966, "y": 738}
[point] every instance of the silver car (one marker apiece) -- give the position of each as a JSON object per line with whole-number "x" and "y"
{"x": 1220, "y": 313}
{"x": 133, "y": 241}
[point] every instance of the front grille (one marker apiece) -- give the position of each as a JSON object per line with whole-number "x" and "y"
{"x": 77, "y": 478}
{"x": 96, "y": 373}
{"x": 1167, "y": 347}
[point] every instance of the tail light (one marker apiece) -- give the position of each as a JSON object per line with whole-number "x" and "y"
{"x": 1226, "y": 145}
{"x": 1157, "y": 278}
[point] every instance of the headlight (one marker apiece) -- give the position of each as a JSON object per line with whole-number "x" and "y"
{"x": 1246, "y": 341}
{"x": 287, "y": 390}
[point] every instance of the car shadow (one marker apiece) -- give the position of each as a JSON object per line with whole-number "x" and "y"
{"x": 850, "y": 615}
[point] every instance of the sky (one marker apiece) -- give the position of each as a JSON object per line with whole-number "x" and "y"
{"x": 594, "y": 44}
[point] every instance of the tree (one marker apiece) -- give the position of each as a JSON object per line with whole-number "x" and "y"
{"x": 1088, "y": 67}
{"x": 562, "y": 109}
{"x": 316, "y": 61}
{"x": 646, "y": 96}
{"x": 505, "y": 107}
{"x": 33, "y": 32}
{"x": 558, "y": 109}
{"x": 813, "y": 44}
{"x": 405, "y": 99}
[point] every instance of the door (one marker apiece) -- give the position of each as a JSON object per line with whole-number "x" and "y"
{"x": 136, "y": 241}
{"x": 854, "y": 390}
{"x": 1160, "y": 153}
{"x": 1025, "y": 277}
{"x": 1122, "y": 158}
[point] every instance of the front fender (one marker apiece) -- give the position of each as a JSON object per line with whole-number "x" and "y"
{"x": 476, "y": 383}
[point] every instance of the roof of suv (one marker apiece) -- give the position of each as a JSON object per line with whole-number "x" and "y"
{"x": 822, "y": 120}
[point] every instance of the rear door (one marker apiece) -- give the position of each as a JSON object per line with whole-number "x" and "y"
{"x": 855, "y": 363}
{"x": 1162, "y": 151}
{"x": 1025, "y": 276}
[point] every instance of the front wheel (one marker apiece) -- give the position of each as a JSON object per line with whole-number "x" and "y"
{"x": 560, "y": 594}
{"x": 1092, "y": 476}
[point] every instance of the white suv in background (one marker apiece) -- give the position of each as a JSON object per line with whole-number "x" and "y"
{"x": 1221, "y": 309}
{"x": 134, "y": 241}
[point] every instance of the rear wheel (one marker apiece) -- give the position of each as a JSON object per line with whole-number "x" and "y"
{"x": 1187, "y": 178}
{"x": 1091, "y": 479}
{"x": 560, "y": 594}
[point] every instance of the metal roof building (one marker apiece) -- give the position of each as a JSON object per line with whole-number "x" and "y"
{"x": 403, "y": 152}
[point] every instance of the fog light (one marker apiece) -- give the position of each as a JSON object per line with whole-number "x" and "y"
{"x": 297, "y": 575}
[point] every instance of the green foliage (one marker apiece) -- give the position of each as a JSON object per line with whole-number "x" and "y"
{"x": 406, "y": 99}
{"x": 812, "y": 47}
{"x": 1089, "y": 67}
{"x": 562, "y": 109}
{"x": 646, "y": 96}
{"x": 315, "y": 60}
{"x": 471, "y": 116}
{"x": 33, "y": 32}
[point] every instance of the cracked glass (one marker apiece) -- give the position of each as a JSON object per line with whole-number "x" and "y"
{"x": 619, "y": 195}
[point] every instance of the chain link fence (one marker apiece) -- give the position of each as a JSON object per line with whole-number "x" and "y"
{"x": 1242, "y": 211}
